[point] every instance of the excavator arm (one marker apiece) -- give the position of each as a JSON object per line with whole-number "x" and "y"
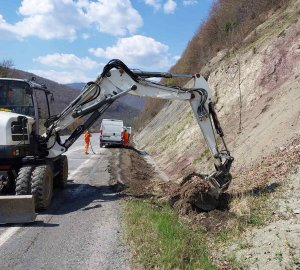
{"x": 117, "y": 80}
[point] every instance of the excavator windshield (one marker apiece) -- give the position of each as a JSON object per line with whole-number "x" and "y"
{"x": 15, "y": 97}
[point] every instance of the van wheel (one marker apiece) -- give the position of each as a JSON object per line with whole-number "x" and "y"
{"x": 61, "y": 180}
{"x": 42, "y": 186}
{"x": 23, "y": 180}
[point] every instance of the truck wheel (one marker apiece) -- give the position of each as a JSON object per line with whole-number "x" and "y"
{"x": 23, "y": 180}
{"x": 61, "y": 180}
{"x": 42, "y": 186}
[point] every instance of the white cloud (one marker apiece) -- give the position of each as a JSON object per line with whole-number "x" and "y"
{"x": 34, "y": 7}
{"x": 63, "y": 19}
{"x": 176, "y": 58}
{"x": 154, "y": 3}
{"x": 46, "y": 19}
{"x": 5, "y": 29}
{"x": 170, "y": 6}
{"x": 64, "y": 77}
{"x": 85, "y": 36}
{"x": 67, "y": 61}
{"x": 189, "y": 2}
{"x": 116, "y": 17}
{"x": 137, "y": 52}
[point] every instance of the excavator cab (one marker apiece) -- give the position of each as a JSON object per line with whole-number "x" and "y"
{"x": 21, "y": 102}
{"x": 17, "y": 97}
{"x": 21, "y": 122}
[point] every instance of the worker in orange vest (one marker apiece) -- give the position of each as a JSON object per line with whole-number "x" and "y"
{"x": 87, "y": 138}
{"x": 125, "y": 137}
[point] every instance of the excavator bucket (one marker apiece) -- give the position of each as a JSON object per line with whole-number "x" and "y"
{"x": 17, "y": 209}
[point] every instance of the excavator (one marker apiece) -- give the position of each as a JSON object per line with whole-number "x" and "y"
{"x": 33, "y": 164}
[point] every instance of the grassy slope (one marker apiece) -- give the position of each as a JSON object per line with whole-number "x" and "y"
{"x": 162, "y": 241}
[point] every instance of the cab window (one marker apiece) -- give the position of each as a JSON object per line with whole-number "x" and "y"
{"x": 15, "y": 97}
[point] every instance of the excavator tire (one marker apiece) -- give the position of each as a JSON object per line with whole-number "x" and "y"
{"x": 61, "y": 180}
{"x": 42, "y": 186}
{"x": 23, "y": 180}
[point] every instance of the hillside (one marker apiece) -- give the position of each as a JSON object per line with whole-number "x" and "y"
{"x": 269, "y": 86}
{"x": 256, "y": 86}
{"x": 64, "y": 94}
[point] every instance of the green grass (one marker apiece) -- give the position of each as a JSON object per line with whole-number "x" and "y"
{"x": 260, "y": 213}
{"x": 160, "y": 241}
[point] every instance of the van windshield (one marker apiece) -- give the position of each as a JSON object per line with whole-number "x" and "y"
{"x": 112, "y": 128}
{"x": 14, "y": 97}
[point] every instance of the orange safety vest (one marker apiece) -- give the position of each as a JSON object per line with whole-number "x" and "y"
{"x": 126, "y": 137}
{"x": 87, "y": 136}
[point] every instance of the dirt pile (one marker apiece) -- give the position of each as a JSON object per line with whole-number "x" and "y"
{"x": 131, "y": 173}
{"x": 192, "y": 200}
{"x": 189, "y": 196}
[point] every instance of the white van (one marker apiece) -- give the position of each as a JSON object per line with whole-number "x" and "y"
{"x": 111, "y": 132}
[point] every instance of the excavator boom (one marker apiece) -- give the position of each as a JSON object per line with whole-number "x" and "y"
{"x": 117, "y": 80}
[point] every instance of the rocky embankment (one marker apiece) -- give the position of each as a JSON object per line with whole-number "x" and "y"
{"x": 260, "y": 81}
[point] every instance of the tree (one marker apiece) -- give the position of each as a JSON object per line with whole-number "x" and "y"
{"x": 5, "y": 67}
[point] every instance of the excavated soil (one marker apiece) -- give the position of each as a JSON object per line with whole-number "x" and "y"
{"x": 132, "y": 176}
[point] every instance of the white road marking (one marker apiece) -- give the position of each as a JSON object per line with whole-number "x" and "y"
{"x": 7, "y": 234}
{"x": 73, "y": 150}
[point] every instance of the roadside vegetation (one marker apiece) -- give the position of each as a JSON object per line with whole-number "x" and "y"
{"x": 160, "y": 240}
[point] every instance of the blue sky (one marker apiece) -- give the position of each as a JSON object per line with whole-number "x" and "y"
{"x": 71, "y": 40}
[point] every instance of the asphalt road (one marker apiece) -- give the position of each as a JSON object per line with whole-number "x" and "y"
{"x": 80, "y": 230}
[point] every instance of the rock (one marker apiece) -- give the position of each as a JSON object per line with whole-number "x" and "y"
{"x": 296, "y": 211}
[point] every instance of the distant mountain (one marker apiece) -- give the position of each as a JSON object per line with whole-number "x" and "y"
{"x": 130, "y": 100}
{"x": 77, "y": 86}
